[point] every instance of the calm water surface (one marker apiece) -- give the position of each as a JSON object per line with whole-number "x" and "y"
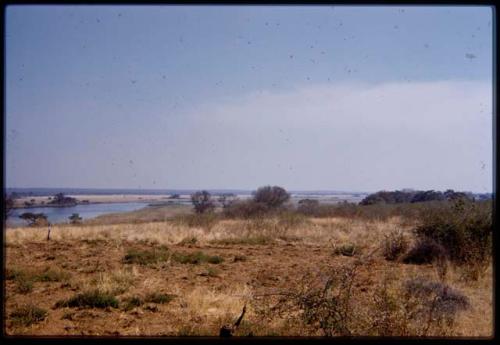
{"x": 61, "y": 214}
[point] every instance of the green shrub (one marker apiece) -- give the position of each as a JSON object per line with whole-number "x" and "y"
{"x": 90, "y": 299}
{"x": 28, "y": 314}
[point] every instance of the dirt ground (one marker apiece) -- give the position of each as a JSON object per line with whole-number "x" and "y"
{"x": 206, "y": 295}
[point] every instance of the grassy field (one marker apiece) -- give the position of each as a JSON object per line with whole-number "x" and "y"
{"x": 179, "y": 277}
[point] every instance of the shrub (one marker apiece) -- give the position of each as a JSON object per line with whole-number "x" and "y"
{"x": 75, "y": 218}
{"x": 394, "y": 245}
{"x": 272, "y": 197}
{"x": 202, "y": 202}
{"x": 245, "y": 209}
{"x": 463, "y": 227}
{"x": 425, "y": 251}
{"x": 308, "y": 207}
{"x": 146, "y": 257}
{"x": 28, "y": 314}
{"x": 90, "y": 299}
{"x": 34, "y": 219}
{"x": 435, "y": 304}
{"x": 323, "y": 304}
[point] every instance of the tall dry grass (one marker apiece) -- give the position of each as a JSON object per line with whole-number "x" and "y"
{"x": 321, "y": 231}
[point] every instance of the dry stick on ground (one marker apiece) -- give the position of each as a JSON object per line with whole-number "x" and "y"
{"x": 48, "y": 231}
{"x": 227, "y": 330}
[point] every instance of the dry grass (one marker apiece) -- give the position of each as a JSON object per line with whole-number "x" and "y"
{"x": 207, "y": 295}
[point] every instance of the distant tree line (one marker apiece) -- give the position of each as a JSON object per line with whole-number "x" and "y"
{"x": 400, "y": 196}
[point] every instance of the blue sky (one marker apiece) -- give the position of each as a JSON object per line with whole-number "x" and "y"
{"x": 316, "y": 97}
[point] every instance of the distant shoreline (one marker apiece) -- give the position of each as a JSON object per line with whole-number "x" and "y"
{"x": 44, "y": 201}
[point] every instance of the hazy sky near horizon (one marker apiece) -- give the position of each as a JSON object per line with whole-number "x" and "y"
{"x": 235, "y": 97}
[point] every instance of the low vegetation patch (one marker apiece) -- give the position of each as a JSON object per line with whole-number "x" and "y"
{"x": 210, "y": 272}
{"x": 394, "y": 245}
{"x": 348, "y": 249}
{"x": 197, "y": 220}
{"x": 190, "y": 240}
{"x": 146, "y": 257}
{"x": 159, "y": 298}
{"x": 27, "y": 315}
{"x": 89, "y": 299}
{"x": 196, "y": 258}
{"x": 248, "y": 240}
{"x": 53, "y": 275}
{"x": 425, "y": 251}
{"x": 131, "y": 303}
{"x": 25, "y": 279}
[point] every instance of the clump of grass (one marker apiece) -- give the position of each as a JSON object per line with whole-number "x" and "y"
{"x": 68, "y": 316}
{"x": 248, "y": 240}
{"x": 114, "y": 283}
{"x": 51, "y": 275}
{"x": 347, "y": 249}
{"x": 132, "y": 302}
{"x": 196, "y": 258}
{"x": 240, "y": 258}
{"x": 24, "y": 284}
{"x": 190, "y": 240}
{"x": 211, "y": 272}
{"x": 146, "y": 257}
{"x": 93, "y": 241}
{"x": 13, "y": 273}
{"x": 425, "y": 251}
{"x": 394, "y": 245}
{"x": 28, "y": 314}
{"x": 159, "y": 298}
{"x": 25, "y": 279}
{"x": 89, "y": 299}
